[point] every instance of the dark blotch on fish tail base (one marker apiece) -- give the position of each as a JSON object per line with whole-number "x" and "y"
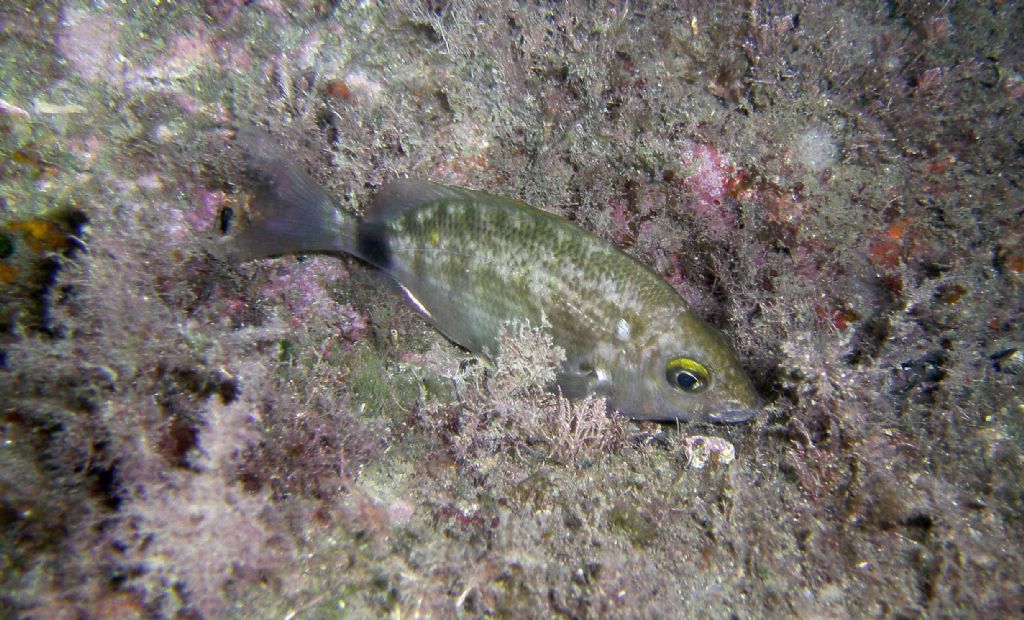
{"x": 372, "y": 244}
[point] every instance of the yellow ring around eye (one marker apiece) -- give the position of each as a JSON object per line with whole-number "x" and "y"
{"x": 686, "y": 375}
{"x": 685, "y": 363}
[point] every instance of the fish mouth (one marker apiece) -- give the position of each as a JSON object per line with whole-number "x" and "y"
{"x": 733, "y": 416}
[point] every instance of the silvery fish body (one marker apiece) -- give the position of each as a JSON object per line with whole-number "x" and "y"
{"x": 473, "y": 262}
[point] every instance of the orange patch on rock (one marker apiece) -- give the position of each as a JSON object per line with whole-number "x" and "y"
{"x": 898, "y": 243}
{"x": 8, "y": 273}
{"x": 1015, "y": 263}
{"x": 40, "y": 235}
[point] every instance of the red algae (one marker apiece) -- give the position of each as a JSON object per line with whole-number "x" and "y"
{"x": 834, "y": 185}
{"x": 708, "y": 177}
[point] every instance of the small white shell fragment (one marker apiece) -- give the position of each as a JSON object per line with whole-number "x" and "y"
{"x": 701, "y": 450}
{"x": 45, "y": 107}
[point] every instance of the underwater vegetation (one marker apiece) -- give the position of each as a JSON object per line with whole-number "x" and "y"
{"x": 835, "y": 186}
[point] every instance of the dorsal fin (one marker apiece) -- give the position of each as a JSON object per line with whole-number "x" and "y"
{"x": 401, "y": 195}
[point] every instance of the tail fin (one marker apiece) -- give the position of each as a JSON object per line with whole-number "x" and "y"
{"x": 288, "y": 212}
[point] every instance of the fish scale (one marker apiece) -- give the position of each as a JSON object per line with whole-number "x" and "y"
{"x": 521, "y": 273}
{"x": 473, "y": 263}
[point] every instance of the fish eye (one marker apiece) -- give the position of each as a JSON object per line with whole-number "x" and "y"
{"x": 687, "y": 375}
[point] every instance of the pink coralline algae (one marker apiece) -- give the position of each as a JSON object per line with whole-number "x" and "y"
{"x": 208, "y": 205}
{"x": 182, "y": 226}
{"x": 304, "y": 294}
{"x": 707, "y": 174}
{"x": 630, "y": 221}
{"x": 89, "y": 43}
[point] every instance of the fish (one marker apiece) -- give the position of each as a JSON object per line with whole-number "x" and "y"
{"x": 472, "y": 263}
